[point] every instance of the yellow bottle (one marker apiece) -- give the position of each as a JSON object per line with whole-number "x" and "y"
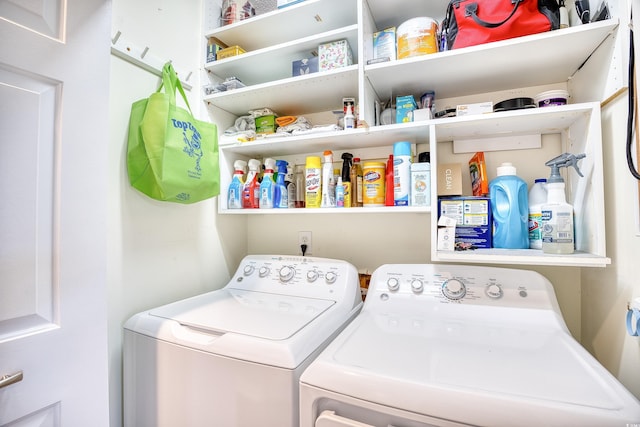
{"x": 313, "y": 182}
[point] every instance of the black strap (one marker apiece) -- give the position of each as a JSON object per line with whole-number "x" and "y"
{"x": 631, "y": 115}
{"x": 472, "y": 10}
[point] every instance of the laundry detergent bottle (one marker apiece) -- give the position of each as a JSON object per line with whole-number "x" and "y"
{"x": 510, "y": 209}
{"x": 268, "y": 185}
{"x": 234, "y": 195}
{"x": 251, "y": 189}
{"x": 281, "y": 195}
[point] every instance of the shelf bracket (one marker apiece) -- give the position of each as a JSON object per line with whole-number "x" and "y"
{"x": 141, "y": 57}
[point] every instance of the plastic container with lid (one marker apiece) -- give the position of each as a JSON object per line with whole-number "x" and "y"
{"x": 417, "y": 36}
{"x": 510, "y": 209}
{"x": 313, "y": 183}
{"x": 373, "y": 184}
{"x": 551, "y": 98}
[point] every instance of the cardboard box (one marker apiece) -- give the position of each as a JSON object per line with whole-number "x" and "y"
{"x": 405, "y": 105}
{"x": 265, "y": 124}
{"x": 449, "y": 179}
{"x": 473, "y": 219}
{"x": 473, "y": 109}
{"x": 336, "y": 54}
{"x": 285, "y": 3}
{"x": 213, "y": 47}
{"x": 384, "y": 44}
{"x": 304, "y": 66}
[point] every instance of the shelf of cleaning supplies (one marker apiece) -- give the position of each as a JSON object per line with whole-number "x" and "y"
{"x": 574, "y": 128}
{"x": 450, "y": 75}
{"x": 293, "y": 22}
{"x": 274, "y": 63}
{"x": 323, "y": 211}
{"x": 523, "y": 257}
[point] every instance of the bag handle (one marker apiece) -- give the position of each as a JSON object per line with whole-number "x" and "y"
{"x": 472, "y": 10}
{"x": 171, "y": 82}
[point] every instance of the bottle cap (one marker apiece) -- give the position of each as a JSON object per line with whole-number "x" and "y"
{"x": 402, "y": 148}
{"x": 424, "y": 157}
{"x": 506, "y": 169}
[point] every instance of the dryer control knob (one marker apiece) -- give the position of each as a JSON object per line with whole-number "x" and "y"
{"x": 263, "y": 272}
{"x": 330, "y": 277}
{"x": 417, "y": 286}
{"x": 286, "y": 273}
{"x": 312, "y": 275}
{"x": 493, "y": 291}
{"x": 454, "y": 289}
{"x": 393, "y": 284}
{"x": 248, "y": 270}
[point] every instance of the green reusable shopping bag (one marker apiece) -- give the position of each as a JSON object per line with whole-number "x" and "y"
{"x": 171, "y": 156}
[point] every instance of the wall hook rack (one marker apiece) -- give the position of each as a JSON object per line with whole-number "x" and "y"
{"x": 143, "y": 58}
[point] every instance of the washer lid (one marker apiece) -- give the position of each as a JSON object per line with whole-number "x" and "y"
{"x": 430, "y": 354}
{"x": 256, "y": 314}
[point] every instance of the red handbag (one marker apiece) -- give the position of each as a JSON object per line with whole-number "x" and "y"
{"x": 473, "y": 22}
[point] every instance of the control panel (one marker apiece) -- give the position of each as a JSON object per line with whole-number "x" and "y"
{"x": 461, "y": 284}
{"x": 294, "y": 275}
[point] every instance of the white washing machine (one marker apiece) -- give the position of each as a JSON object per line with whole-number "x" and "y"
{"x": 452, "y": 345}
{"x": 233, "y": 357}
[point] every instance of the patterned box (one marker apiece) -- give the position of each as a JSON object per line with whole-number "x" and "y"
{"x": 333, "y": 55}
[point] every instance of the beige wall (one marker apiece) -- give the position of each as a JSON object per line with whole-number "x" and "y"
{"x": 158, "y": 252}
{"x": 605, "y": 292}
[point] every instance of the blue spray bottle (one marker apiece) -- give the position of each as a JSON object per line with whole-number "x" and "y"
{"x": 281, "y": 195}
{"x": 267, "y": 186}
{"x": 234, "y": 196}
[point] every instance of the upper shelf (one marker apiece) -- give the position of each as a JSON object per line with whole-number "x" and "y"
{"x": 538, "y": 59}
{"x": 292, "y": 22}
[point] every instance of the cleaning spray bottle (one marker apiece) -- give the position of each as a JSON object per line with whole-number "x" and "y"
{"x": 234, "y": 195}
{"x": 267, "y": 186}
{"x": 251, "y": 189}
{"x": 280, "y": 195}
{"x": 328, "y": 181}
{"x": 388, "y": 183}
{"x": 557, "y": 214}
{"x": 347, "y": 159}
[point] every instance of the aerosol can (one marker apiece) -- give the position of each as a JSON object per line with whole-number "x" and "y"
{"x": 557, "y": 214}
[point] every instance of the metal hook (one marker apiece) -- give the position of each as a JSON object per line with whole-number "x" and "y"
{"x": 115, "y": 38}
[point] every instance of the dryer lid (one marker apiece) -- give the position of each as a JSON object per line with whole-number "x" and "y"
{"x": 257, "y": 314}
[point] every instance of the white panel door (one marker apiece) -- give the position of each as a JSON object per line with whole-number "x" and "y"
{"x": 54, "y": 76}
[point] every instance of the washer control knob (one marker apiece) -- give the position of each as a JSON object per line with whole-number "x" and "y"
{"x": 263, "y": 272}
{"x": 248, "y": 270}
{"x": 393, "y": 284}
{"x": 454, "y": 289}
{"x": 493, "y": 291}
{"x": 330, "y": 277}
{"x": 417, "y": 286}
{"x": 312, "y": 275}
{"x": 286, "y": 273}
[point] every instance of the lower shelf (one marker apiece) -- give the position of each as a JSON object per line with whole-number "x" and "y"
{"x": 306, "y": 211}
{"x": 521, "y": 256}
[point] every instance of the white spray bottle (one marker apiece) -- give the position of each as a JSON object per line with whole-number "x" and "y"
{"x": 268, "y": 185}
{"x": 557, "y": 214}
{"x": 234, "y": 195}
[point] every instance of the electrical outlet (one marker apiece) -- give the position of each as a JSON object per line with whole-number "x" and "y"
{"x": 304, "y": 238}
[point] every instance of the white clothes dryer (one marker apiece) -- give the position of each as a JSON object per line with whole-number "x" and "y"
{"x": 454, "y": 345}
{"x": 233, "y": 357}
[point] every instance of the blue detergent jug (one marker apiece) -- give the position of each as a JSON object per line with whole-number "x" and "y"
{"x": 510, "y": 209}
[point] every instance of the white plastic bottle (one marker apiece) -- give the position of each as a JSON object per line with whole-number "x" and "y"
{"x": 349, "y": 118}
{"x": 557, "y": 214}
{"x": 537, "y": 198}
{"x": 234, "y": 195}
{"x": 328, "y": 182}
{"x": 268, "y": 185}
{"x": 340, "y": 193}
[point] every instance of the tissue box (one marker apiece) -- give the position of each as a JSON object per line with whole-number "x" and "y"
{"x": 265, "y": 124}
{"x": 305, "y": 66}
{"x": 333, "y": 55}
{"x": 404, "y": 108}
{"x": 449, "y": 179}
